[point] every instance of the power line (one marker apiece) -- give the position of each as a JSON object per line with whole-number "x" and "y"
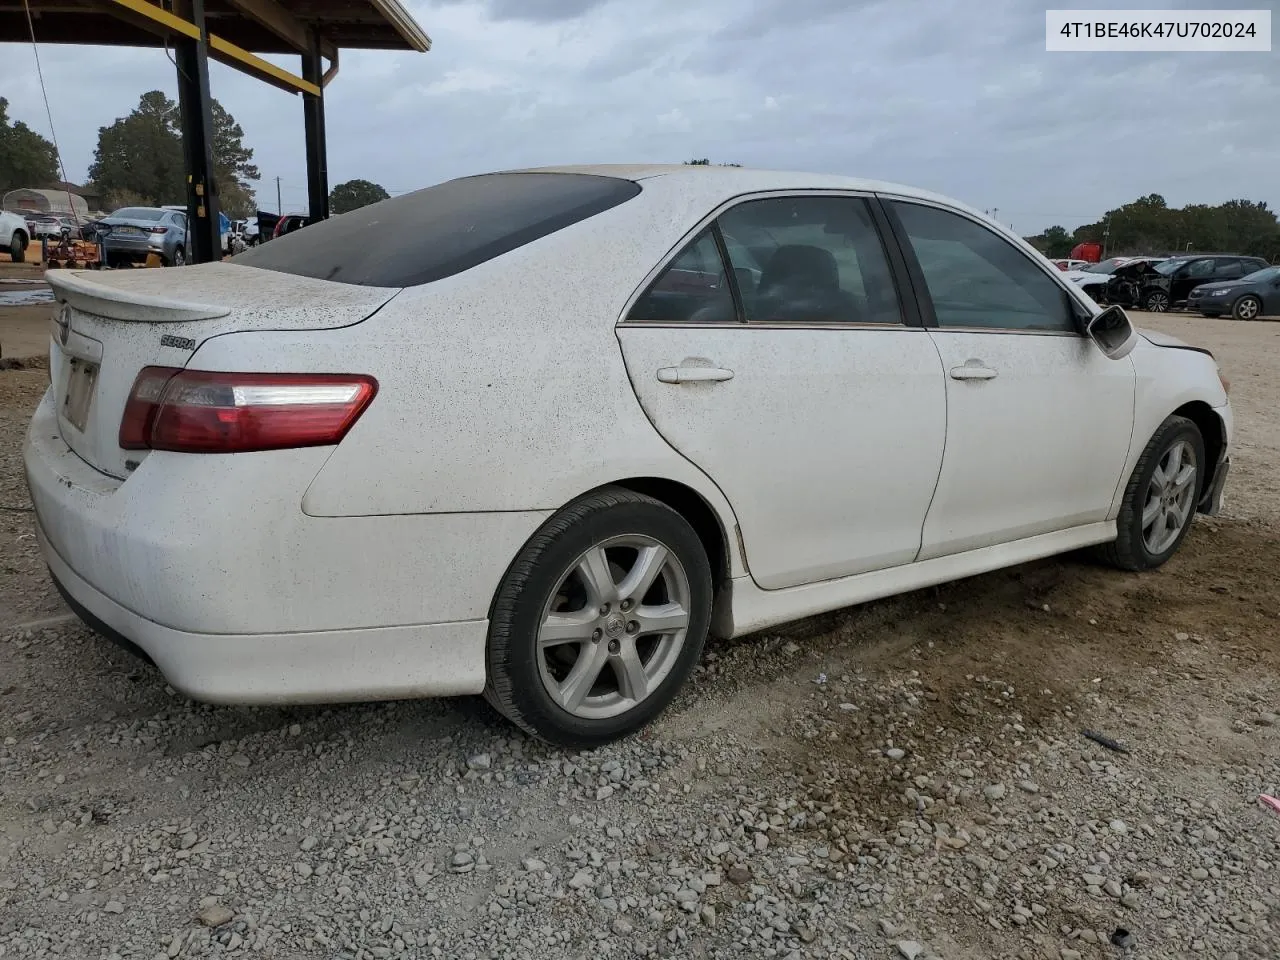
{"x": 57, "y": 151}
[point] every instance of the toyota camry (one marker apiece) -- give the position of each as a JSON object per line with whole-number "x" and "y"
{"x": 538, "y": 434}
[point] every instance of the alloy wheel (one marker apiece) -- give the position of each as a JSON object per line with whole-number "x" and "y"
{"x": 1170, "y": 497}
{"x": 1247, "y": 309}
{"x": 614, "y": 627}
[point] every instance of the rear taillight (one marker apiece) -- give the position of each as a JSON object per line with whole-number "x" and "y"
{"x": 200, "y": 411}
{"x": 157, "y": 229}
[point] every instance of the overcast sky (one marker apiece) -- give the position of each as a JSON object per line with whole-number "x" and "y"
{"x": 926, "y": 92}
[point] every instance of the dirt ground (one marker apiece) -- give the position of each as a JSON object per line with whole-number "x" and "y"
{"x": 991, "y": 679}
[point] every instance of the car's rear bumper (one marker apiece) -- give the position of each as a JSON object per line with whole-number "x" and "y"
{"x": 383, "y": 663}
{"x": 208, "y": 565}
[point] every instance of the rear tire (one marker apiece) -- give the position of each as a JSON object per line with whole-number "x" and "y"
{"x": 1160, "y": 498}
{"x": 1247, "y": 308}
{"x": 18, "y": 247}
{"x": 179, "y": 258}
{"x": 1157, "y": 301}
{"x": 599, "y": 621}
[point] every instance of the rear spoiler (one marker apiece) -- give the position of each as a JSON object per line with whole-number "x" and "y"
{"x": 78, "y": 289}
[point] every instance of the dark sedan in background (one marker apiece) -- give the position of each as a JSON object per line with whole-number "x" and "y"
{"x": 1248, "y": 298}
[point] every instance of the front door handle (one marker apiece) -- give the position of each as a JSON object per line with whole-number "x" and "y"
{"x": 972, "y": 370}
{"x": 693, "y": 374}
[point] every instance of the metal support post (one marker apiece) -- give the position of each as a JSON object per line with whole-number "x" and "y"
{"x": 192, "y": 55}
{"x": 313, "y": 116}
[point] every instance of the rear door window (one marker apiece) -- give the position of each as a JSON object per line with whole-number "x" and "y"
{"x": 810, "y": 259}
{"x": 440, "y": 231}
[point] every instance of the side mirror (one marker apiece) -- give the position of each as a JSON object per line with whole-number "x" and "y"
{"x": 1112, "y": 331}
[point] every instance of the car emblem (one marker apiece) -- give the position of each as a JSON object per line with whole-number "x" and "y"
{"x": 63, "y": 320}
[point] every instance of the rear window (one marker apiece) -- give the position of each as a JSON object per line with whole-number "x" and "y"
{"x": 138, "y": 213}
{"x": 442, "y": 230}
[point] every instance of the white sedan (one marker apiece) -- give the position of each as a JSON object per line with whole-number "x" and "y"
{"x": 568, "y": 422}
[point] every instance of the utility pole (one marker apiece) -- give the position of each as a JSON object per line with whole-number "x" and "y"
{"x": 279, "y": 208}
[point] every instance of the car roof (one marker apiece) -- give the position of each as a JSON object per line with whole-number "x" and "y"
{"x": 734, "y": 180}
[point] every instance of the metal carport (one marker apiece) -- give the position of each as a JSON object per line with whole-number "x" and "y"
{"x": 233, "y": 32}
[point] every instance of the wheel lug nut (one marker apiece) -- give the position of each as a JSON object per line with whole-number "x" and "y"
{"x": 626, "y": 604}
{"x": 614, "y": 646}
{"x": 632, "y": 627}
{"x": 596, "y": 634}
{"x": 604, "y": 610}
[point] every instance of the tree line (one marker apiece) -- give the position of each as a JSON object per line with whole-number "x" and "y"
{"x": 139, "y": 161}
{"x": 1149, "y": 225}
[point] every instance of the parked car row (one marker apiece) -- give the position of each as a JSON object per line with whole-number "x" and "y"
{"x": 1215, "y": 284}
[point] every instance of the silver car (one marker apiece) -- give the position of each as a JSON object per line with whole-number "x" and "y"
{"x": 139, "y": 231}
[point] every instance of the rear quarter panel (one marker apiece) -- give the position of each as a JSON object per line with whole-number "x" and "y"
{"x": 500, "y": 389}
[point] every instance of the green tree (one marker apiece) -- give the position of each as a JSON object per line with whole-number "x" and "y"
{"x": 139, "y": 157}
{"x": 26, "y": 158}
{"x": 704, "y": 162}
{"x": 232, "y": 169}
{"x": 1056, "y": 242}
{"x": 354, "y": 194}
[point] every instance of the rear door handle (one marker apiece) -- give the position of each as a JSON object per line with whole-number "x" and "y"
{"x": 693, "y": 374}
{"x": 972, "y": 370}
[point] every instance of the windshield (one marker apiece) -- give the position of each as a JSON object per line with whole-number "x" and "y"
{"x": 1106, "y": 266}
{"x": 1261, "y": 276}
{"x": 1169, "y": 266}
{"x": 137, "y": 213}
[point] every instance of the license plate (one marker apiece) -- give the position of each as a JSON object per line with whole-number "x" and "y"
{"x": 131, "y": 231}
{"x": 81, "y": 379}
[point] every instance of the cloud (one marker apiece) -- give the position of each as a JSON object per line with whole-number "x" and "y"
{"x": 936, "y": 93}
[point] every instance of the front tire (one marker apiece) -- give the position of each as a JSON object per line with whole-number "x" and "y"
{"x": 599, "y": 621}
{"x": 1160, "y": 499}
{"x": 18, "y": 247}
{"x": 1157, "y": 301}
{"x": 1247, "y": 308}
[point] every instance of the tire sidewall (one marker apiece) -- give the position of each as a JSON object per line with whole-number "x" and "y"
{"x": 512, "y": 648}
{"x": 1172, "y": 431}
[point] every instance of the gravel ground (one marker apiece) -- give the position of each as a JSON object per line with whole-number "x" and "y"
{"x": 907, "y": 779}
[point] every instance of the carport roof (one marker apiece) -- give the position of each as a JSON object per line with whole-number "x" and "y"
{"x": 260, "y": 26}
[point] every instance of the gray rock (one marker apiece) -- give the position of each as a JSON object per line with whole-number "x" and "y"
{"x": 1029, "y": 786}
{"x": 213, "y": 915}
{"x": 994, "y": 793}
{"x": 909, "y": 949}
{"x": 479, "y": 761}
{"x": 894, "y": 753}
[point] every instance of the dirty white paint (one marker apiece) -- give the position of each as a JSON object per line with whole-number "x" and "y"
{"x": 509, "y": 390}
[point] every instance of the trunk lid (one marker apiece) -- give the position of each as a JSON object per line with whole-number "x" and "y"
{"x": 109, "y": 325}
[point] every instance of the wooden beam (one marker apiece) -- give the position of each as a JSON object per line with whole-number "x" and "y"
{"x": 281, "y": 22}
